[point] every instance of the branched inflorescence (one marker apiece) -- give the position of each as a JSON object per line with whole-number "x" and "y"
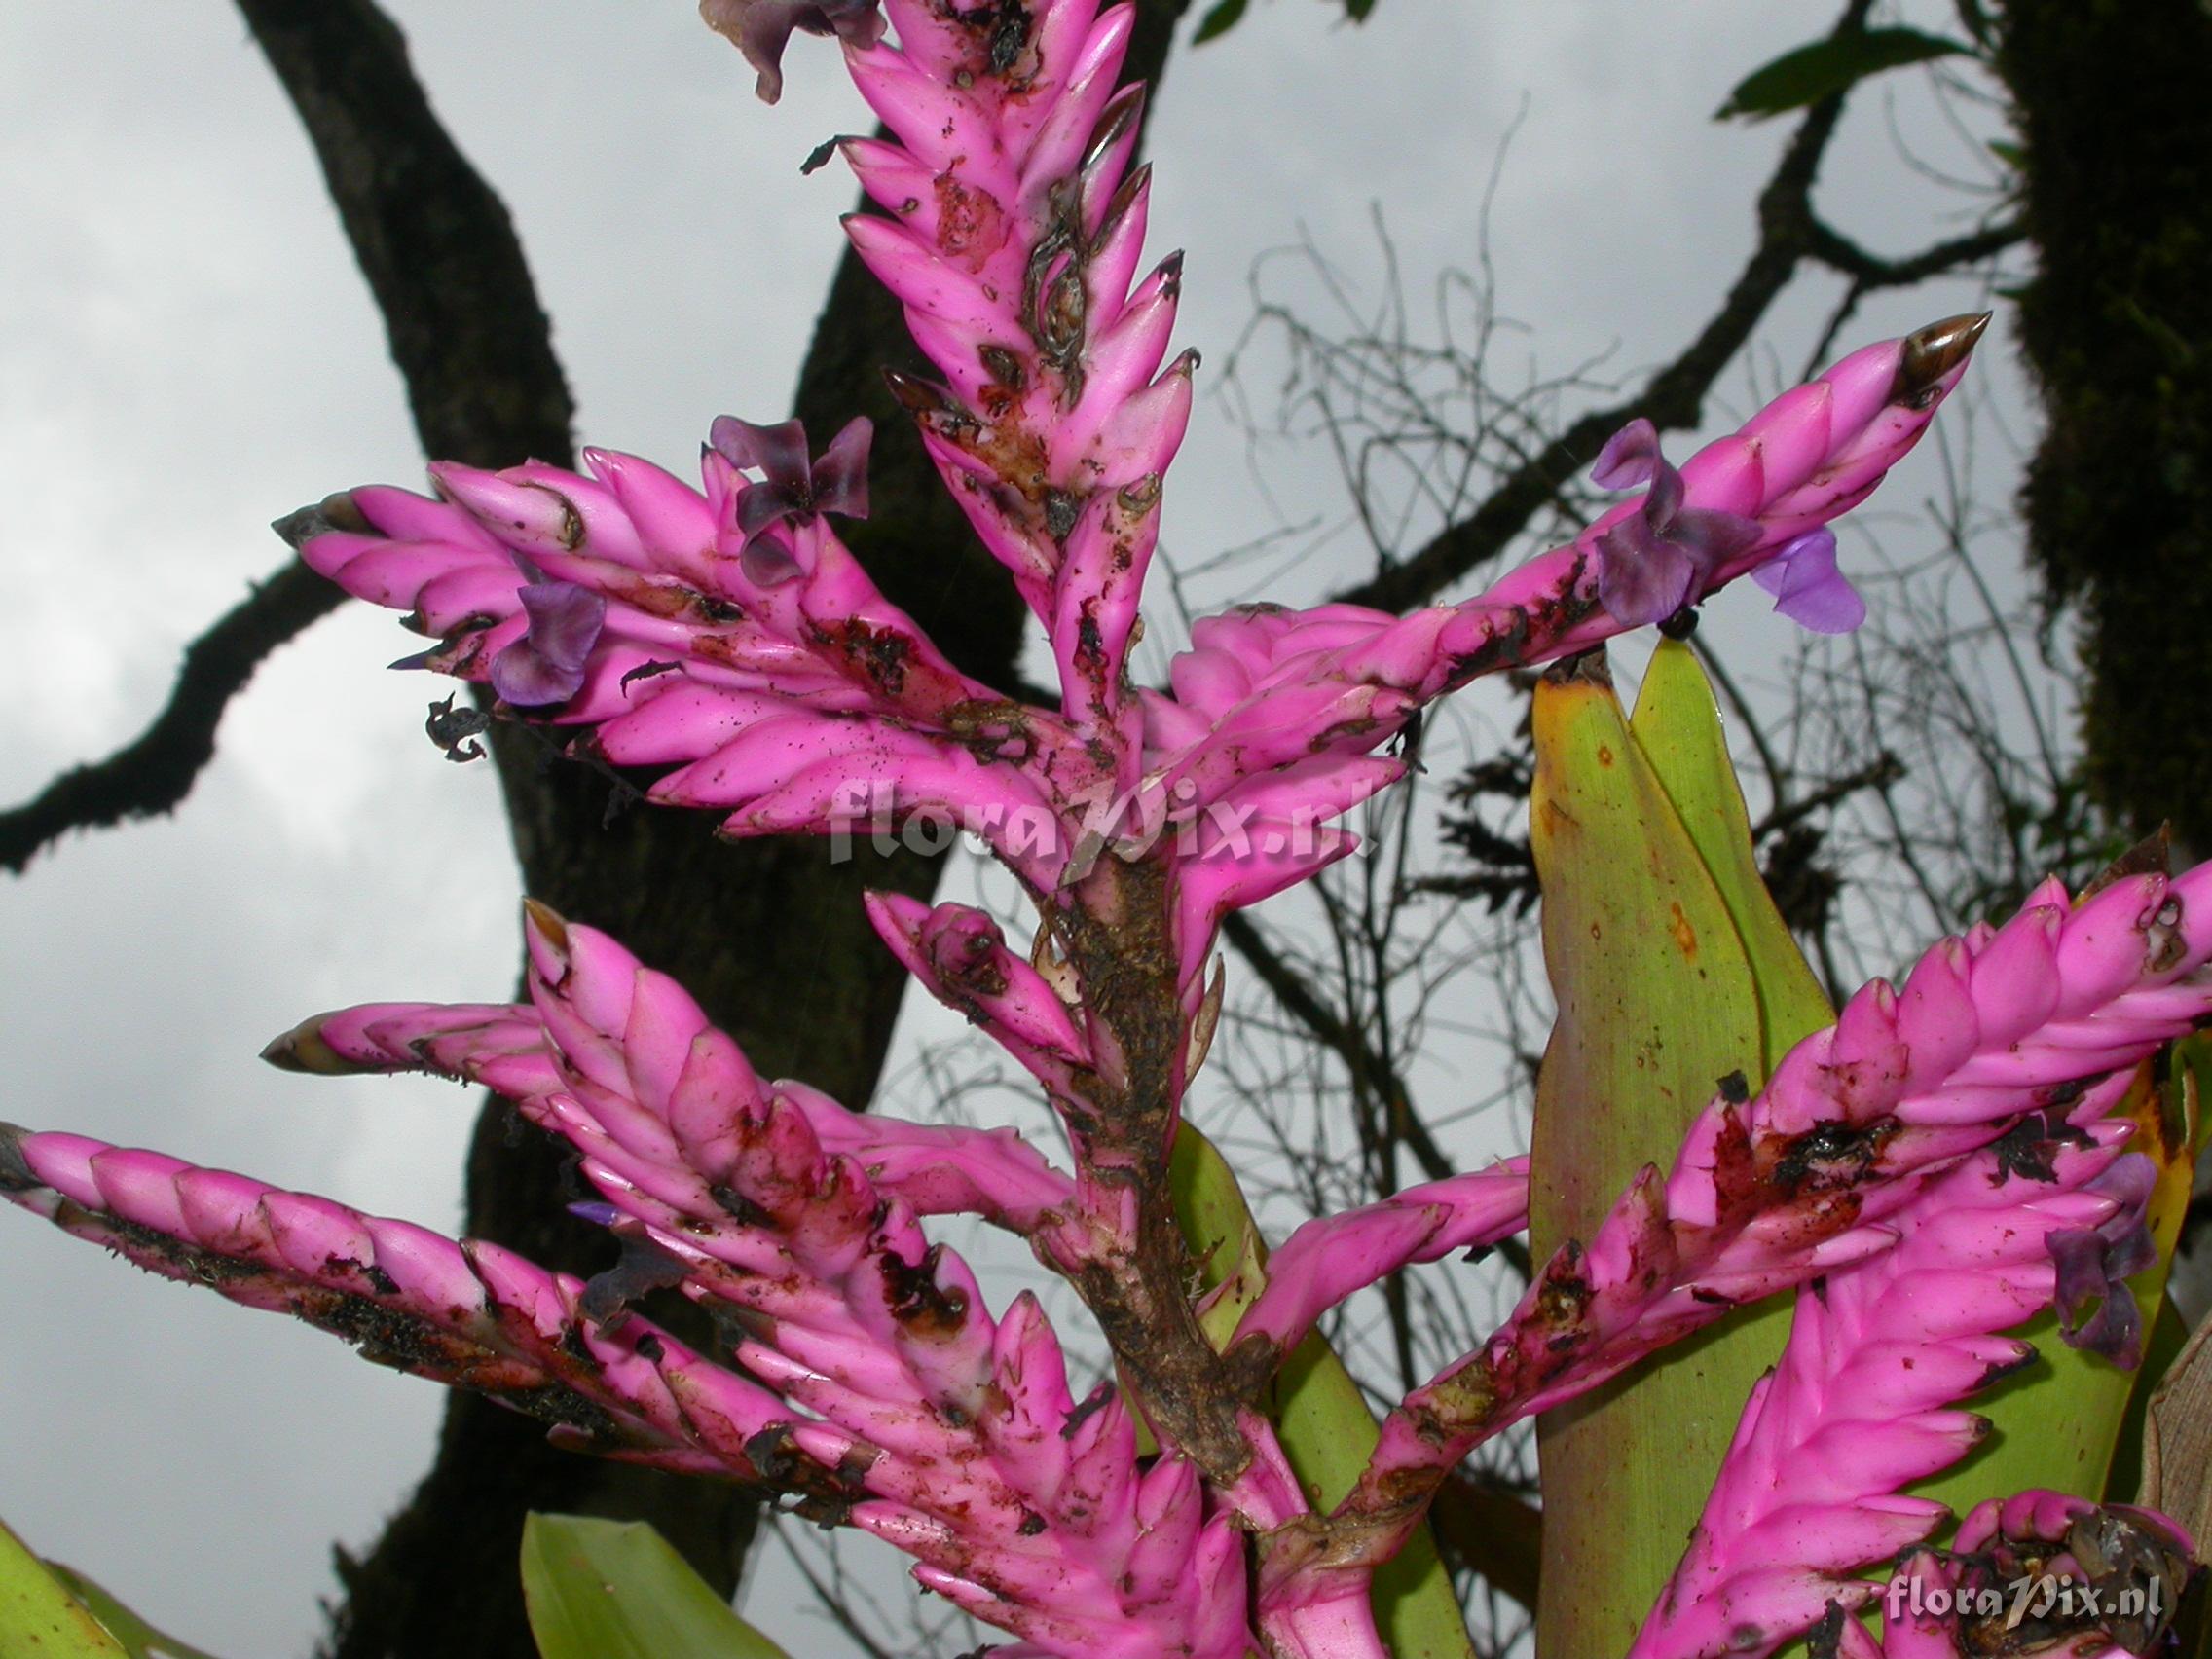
{"x": 723, "y": 640}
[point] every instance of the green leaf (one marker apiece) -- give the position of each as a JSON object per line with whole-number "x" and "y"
{"x": 617, "y": 1589}
{"x": 1657, "y": 1002}
{"x": 1677, "y": 724}
{"x": 1321, "y": 1417}
{"x": 1812, "y": 72}
{"x": 1222, "y": 17}
{"x": 38, "y": 1615}
{"x": 140, "y": 1639}
{"x": 2169, "y": 1335}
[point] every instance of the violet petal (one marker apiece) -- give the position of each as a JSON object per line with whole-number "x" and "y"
{"x": 522, "y": 676}
{"x": 2094, "y": 1265}
{"x": 777, "y": 452}
{"x": 1641, "y": 577}
{"x": 1808, "y": 588}
{"x": 1628, "y": 457}
{"x": 840, "y": 477}
{"x": 856, "y": 22}
{"x": 760, "y": 29}
{"x": 546, "y": 665}
{"x": 643, "y": 1268}
{"x": 565, "y": 621}
{"x": 759, "y": 505}
{"x": 1712, "y": 540}
{"x": 1664, "y": 501}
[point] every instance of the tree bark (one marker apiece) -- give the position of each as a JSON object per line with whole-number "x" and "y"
{"x": 2110, "y": 100}
{"x": 769, "y": 936}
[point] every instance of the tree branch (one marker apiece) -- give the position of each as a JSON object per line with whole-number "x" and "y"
{"x": 745, "y": 929}
{"x": 1672, "y": 398}
{"x": 466, "y": 329}
{"x": 154, "y": 772}
{"x": 474, "y": 349}
{"x": 1868, "y": 271}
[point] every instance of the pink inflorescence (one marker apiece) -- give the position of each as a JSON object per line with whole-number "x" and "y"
{"x": 722, "y": 639}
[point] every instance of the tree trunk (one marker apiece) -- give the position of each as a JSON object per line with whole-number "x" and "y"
{"x": 2110, "y": 98}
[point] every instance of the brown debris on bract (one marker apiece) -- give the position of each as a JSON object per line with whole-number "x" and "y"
{"x": 882, "y": 655}
{"x": 303, "y": 1049}
{"x": 1007, "y": 372}
{"x": 16, "y": 1175}
{"x": 2117, "y": 1560}
{"x": 548, "y": 922}
{"x": 1581, "y": 668}
{"x": 2164, "y": 948}
{"x": 1829, "y": 1157}
{"x": 917, "y": 1301}
{"x": 2029, "y": 1148}
{"x": 1003, "y": 33}
{"x": 970, "y": 223}
{"x": 339, "y": 511}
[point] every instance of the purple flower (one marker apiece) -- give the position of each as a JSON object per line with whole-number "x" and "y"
{"x": 1808, "y": 588}
{"x": 2094, "y": 1265}
{"x": 836, "y": 483}
{"x": 789, "y": 487}
{"x": 762, "y": 28}
{"x": 1657, "y": 559}
{"x": 546, "y": 665}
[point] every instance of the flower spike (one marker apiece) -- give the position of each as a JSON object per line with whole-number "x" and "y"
{"x": 1859, "y": 1407}
{"x": 875, "y": 1386}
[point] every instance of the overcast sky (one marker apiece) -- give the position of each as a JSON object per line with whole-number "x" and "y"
{"x": 186, "y": 351}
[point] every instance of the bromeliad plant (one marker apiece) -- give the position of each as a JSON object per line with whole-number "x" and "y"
{"x": 1939, "y": 1164}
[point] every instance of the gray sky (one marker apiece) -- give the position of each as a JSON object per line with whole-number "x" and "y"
{"x": 186, "y": 351}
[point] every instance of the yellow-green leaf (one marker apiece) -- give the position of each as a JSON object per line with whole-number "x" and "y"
{"x": 1677, "y": 724}
{"x": 139, "y": 1639}
{"x": 617, "y": 1589}
{"x": 2162, "y": 1351}
{"x": 1321, "y": 1418}
{"x": 1657, "y": 1002}
{"x": 39, "y": 1616}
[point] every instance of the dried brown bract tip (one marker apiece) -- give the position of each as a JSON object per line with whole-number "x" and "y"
{"x": 1932, "y": 352}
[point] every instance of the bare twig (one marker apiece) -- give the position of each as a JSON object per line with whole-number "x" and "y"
{"x": 1368, "y": 1068}
{"x": 1869, "y": 272}
{"x": 154, "y": 772}
{"x": 1674, "y": 397}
